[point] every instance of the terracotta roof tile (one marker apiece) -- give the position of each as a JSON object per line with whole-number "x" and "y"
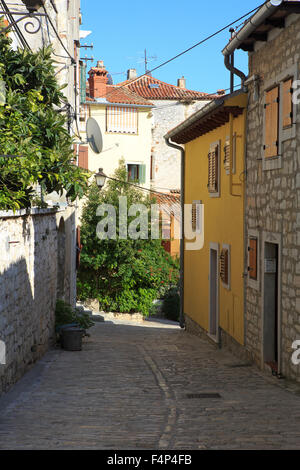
{"x": 154, "y": 89}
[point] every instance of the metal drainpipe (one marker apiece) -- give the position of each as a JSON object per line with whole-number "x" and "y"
{"x": 182, "y": 193}
{"x": 234, "y": 70}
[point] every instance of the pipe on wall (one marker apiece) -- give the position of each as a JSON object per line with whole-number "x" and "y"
{"x": 182, "y": 197}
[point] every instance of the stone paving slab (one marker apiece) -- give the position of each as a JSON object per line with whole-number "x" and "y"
{"x": 129, "y": 388}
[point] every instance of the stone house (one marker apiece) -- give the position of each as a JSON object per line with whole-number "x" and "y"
{"x": 38, "y": 247}
{"x": 272, "y": 208}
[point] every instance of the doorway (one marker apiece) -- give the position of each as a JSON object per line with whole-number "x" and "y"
{"x": 271, "y": 306}
{"x": 213, "y": 291}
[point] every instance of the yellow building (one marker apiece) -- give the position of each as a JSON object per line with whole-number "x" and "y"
{"x": 214, "y": 140}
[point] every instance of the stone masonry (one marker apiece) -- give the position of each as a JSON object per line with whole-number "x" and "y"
{"x": 28, "y": 284}
{"x": 273, "y": 196}
{"x": 166, "y": 115}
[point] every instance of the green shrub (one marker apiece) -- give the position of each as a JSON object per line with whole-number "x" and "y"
{"x": 124, "y": 275}
{"x": 65, "y": 314}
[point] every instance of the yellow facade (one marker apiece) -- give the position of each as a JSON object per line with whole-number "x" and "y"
{"x": 223, "y": 225}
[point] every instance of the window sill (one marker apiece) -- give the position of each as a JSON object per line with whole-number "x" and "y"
{"x": 272, "y": 163}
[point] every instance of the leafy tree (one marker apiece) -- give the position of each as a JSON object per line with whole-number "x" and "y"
{"x": 34, "y": 128}
{"x": 125, "y": 275}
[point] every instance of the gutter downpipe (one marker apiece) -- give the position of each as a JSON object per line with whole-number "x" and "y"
{"x": 263, "y": 13}
{"x": 182, "y": 196}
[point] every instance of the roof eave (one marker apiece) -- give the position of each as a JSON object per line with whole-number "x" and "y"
{"x": 262, "y": 14}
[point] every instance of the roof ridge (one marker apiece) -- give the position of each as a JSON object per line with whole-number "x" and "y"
{"x": 147, "y": 78}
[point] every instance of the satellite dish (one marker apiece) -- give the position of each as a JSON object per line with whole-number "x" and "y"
{"x": 276, "y": 3}
{"x": 94, "y": 135}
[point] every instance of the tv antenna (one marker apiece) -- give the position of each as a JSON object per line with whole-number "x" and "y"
{"x": 148, "y": 59}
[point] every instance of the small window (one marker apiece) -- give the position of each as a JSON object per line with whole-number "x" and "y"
{"x": 213, "y": 170}
{"x": 197, "y": 216}
{"x": 271, "y": 145}
{"x": 83, "y": 157}
{"x": 287, "y": 103}
{"x": 224, "y": 266}
{"x": 227, "y": 155}
{"x": 252, "y": 248}
{"x": 122, "y": 120}
{"x": 136, "y": 173}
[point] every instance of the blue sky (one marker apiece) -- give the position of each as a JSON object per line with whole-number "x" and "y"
{"x": 123, "y": 30}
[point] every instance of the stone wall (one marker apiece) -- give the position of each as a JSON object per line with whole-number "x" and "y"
{"x": 272, "y": 199}
{"x": 28, "y": 289}
{"x": 166, "y": 115}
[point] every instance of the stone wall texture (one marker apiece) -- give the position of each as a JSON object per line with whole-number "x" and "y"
{"x": 272, "y": 200}
{"x": 167, "y": 114}
{"x": 28, "y": 286}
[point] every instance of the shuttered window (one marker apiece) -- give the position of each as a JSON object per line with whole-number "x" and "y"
{"x": 271, "y": 123}
{"x": 227, "y": 155}
{"x": 224, "y": 266}
{"x": 196, "y": 216}
{"x": 82, "y": 83}
{"x": 136, "y": 173}
{"x": 213, "y": 170}
{"x": 122, "y": 119}
{"x": 83, "y": 158}
{"x": 287, "y": 103}
{"x": 252, "y": 268}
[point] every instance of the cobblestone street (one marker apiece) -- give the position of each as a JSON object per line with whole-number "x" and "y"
{"x": 139, "y": 387}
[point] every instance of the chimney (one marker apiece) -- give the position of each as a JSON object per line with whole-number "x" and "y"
{"x": 98, "y": 80}
{"x": 131, "y": 74}
{"x": 181, "y": 82}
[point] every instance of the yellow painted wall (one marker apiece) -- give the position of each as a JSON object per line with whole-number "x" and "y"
{"x": 223, "y": 224}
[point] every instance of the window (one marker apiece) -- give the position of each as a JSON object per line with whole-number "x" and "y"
{"x": 197, "y": 216}
{"x": 271, "y": 123}
{"x": 122, "y": 119}
{"x": 227, "y": 155}
{"x": 136, "y": 173}
{"x": 287, "y": 103}
{"x": 252, "y": 248}
{"x": 213, "y": 170}
{"x": 224, "y": 266}
{"x": 83, "y": 158}
{"x": 280, "y": 116}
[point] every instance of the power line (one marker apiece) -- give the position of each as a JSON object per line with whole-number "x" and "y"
{"x": 189, "y": 49}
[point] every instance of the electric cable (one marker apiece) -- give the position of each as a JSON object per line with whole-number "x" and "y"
{"x": 187, "y": 50}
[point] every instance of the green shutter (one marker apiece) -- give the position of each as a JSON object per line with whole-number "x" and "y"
{"x": 142, "y": 174}
{"x": 83, "y": 83}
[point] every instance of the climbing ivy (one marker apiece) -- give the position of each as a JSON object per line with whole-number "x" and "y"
{"x": 34, "y": 128}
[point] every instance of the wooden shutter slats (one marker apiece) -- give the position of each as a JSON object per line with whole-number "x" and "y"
{"x": 213, "y": 171}
{"x": 253, "y": 258}
{"x": 194, "y": 217}
{"x": 271, "y": 122}
{"x": 83, "y": 157}
{"x": 224, "y": 265}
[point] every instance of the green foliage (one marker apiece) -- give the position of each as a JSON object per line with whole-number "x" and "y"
{"x": 125, "y": 275}
{"x": 65, "y": 315}
{"x": 171, "y": 304}
{"x": 32, "y": 127}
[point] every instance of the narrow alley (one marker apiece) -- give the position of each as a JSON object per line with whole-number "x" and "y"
{"x": 147, "y": 386}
